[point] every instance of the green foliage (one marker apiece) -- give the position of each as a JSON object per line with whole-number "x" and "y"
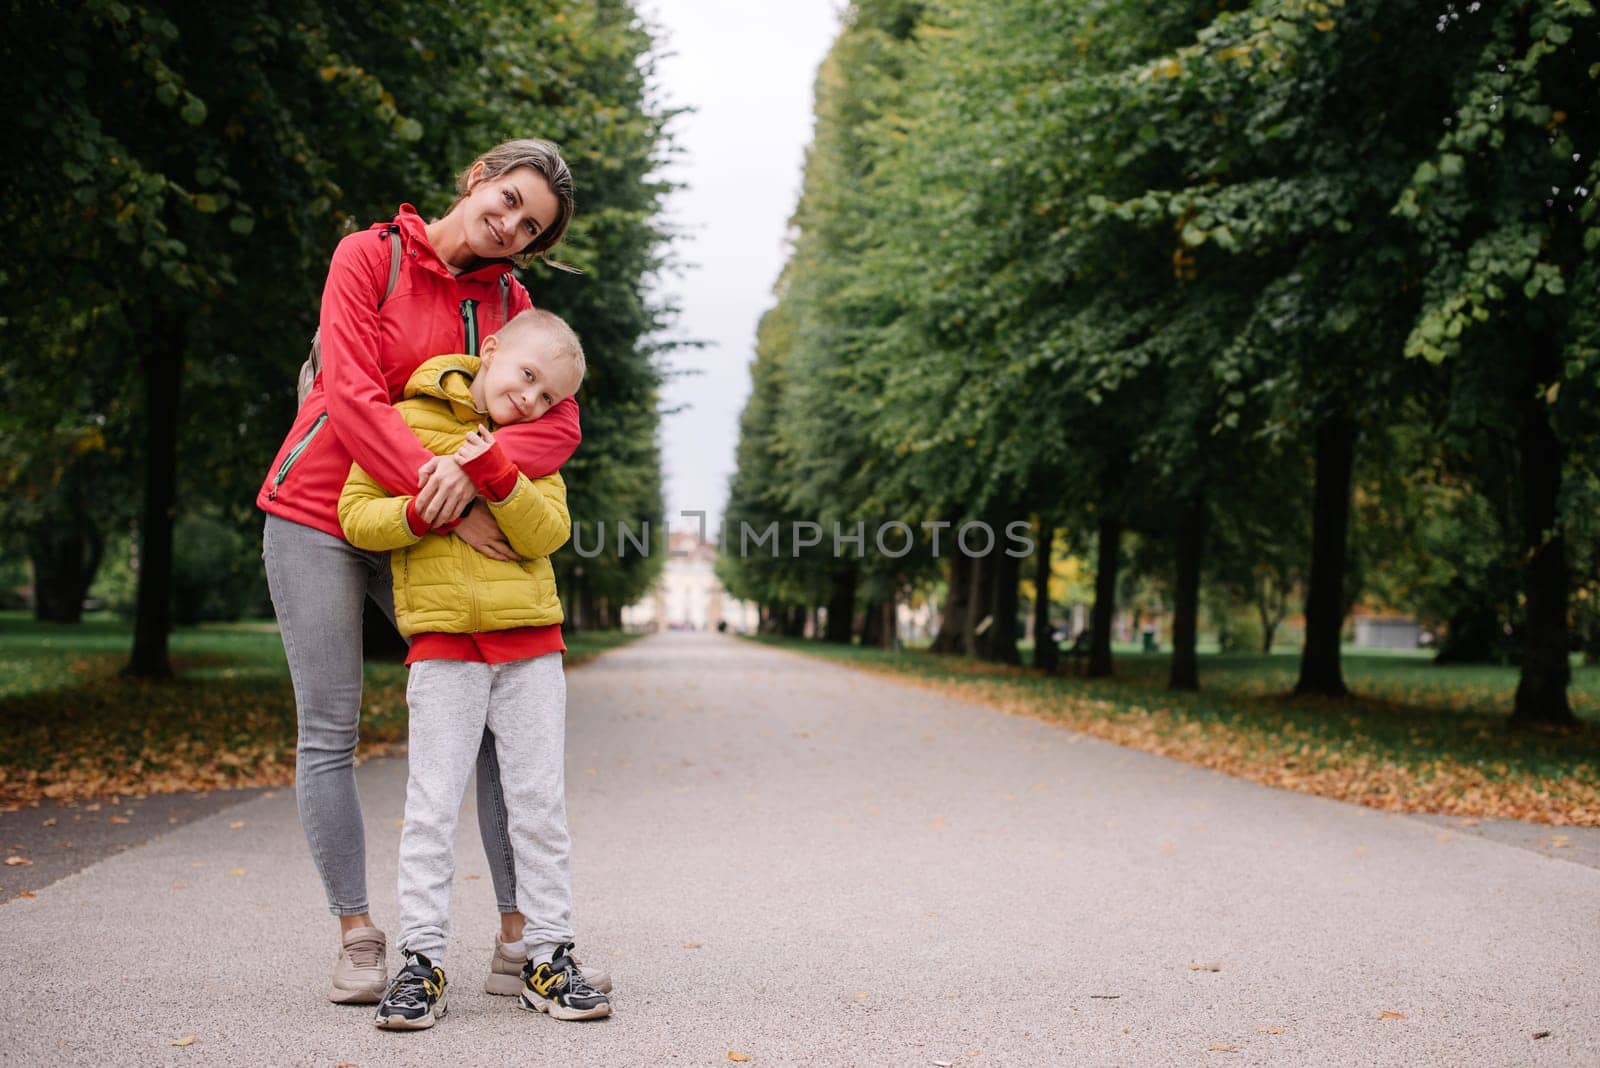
{"x": 191, "y": 167}
{"x": 1090, "y": 259}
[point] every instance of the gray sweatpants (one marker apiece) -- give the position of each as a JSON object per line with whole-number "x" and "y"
{"x": 524, "y": 704}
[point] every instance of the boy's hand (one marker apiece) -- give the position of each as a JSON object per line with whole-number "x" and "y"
{"x": 476, "y": 444}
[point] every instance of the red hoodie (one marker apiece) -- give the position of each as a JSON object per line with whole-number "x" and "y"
{"x": 368, "y": 354}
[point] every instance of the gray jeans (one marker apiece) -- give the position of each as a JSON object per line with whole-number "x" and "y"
{"x": 318, "y": 584}
{"x": 524, "y": 702}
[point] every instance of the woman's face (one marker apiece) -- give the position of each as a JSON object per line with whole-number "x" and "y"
{"x": 503, "y": 215}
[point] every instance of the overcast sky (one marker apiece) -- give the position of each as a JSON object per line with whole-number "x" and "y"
{"x": 746, "y": 67}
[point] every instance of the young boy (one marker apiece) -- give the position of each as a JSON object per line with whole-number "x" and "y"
{"x": 485, "y": 650}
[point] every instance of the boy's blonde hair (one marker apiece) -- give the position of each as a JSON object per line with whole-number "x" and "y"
{"x": 553, "y": 329}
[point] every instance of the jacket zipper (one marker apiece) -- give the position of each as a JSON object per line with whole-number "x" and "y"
{"x": 469, "y": 326}
{"x": 472, "y": 583}
{"x": 294, "y": 455}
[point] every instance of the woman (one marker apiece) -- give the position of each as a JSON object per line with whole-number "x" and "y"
{"x": 453, "y": 288}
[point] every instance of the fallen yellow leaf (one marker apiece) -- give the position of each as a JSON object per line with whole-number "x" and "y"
{"x": 186, "y": 1040}
{"x": 735, "y": 1055}
{"x": 28, "y": 893}
{"x": 1205, "y": 967}
{"x": 237, "y": 871}
{"x": 1270, "y": 1030}
{"x": 1387, "y": 1015}
{"x": 235, "y": 825}
{"x": 119, "y": 819}
{"x": 17, "y": 862}
{"x": 692, "y": 945}
{"x": 51, "y": 822}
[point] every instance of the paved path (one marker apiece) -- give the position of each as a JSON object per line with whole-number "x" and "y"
{"x": 783, "y": 858}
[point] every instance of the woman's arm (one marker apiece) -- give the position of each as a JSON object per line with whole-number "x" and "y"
{"x": 541, "y": 447}
{"x": 359, "y": 408}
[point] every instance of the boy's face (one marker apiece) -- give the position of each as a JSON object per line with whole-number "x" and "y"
{"x": 520, "y": 381}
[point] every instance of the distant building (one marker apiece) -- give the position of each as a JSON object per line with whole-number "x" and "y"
{"x": 689, "y": 596}
{"x": 1387, "y": 632}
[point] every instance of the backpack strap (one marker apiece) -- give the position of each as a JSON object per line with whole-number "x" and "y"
{"x": 392, "y": 232}
{"x": 505, "y": 298}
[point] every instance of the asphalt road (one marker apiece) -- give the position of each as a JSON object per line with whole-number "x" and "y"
{"x": 783, "y": 859}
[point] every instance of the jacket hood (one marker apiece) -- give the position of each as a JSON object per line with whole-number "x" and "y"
{"x": 449, "y": 378}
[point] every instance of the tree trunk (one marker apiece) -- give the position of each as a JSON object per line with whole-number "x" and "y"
{"x": 1542, "y": 689}
{"x": 1190, "y": 549}
{"x": 1001, "y": 646}
{"x": 890, "y": 631}
{"x": 794, "y": 622}
{"x": 1105, "y": 595}
{"x": 1046, "y": 656}
{"x": 1473, "y": 636}
{"x": 66, "y": 551}
{"x": 953, "y": 624}
{"x": 872, "y": 625}
{"x": 980, "y": 605}
{"x": 841, "y": 605}
{"x": 1272, "y": 604}
{"x": 163, "y": 379}
{"x": 1320, "y": 671}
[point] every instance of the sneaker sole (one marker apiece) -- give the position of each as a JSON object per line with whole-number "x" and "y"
{"x": 561, "y": 1012}
{"x": 510, "y": 986}
{"x": 359, "y": 995}
{"x": 421, "y": 1023}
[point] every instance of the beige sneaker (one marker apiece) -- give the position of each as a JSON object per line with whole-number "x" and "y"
{"x": 505, "y": 974}
{"x": 360, "y": 974}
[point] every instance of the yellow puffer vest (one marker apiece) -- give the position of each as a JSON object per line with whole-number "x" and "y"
{"x": 442, "y": 584}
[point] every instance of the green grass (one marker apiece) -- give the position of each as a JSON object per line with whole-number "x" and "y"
{"x": 72, "y": 727}
{"x": 1406, "y": 717}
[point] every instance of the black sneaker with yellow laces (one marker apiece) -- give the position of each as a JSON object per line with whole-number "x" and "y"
{"x": 415, "y": 998}
{"x": 559, "y": 988}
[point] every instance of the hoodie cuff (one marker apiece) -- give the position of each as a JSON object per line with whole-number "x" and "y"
{"x": 493, "y": 473}
{"x": 414, "y": 520}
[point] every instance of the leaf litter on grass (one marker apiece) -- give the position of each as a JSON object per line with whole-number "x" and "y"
{"x": 77, "y": 731}
{"x": 1390, "y": 749}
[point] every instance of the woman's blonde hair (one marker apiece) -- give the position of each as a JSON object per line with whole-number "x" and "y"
{"x": 545, "y": 158}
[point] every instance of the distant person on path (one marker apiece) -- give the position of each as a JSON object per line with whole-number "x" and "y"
{"x": 453, "y": 286}
{"x": 485, "y": 651}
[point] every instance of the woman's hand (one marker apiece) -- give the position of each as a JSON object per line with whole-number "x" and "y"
{"x": 445, "y": 491}
{"x": 480, "y": 531}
